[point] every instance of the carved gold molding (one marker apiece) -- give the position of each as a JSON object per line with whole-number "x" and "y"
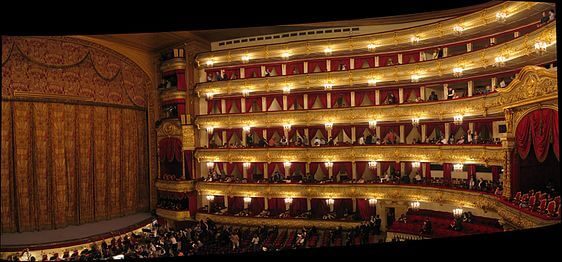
{"x": 282, "y": 223}
{"x": 174, "y": 215}
{"x": 532, "y": 85}
{"x": 432, "y": 33}
{"x": 405, "y": 193}
{"x": 516, "y": 51}
{"x": 489, "y": 155}
{"x": 173, "y": 64}
{"x": 169, "y": 128}
{"x": 175, "y": 186}
{"x": 172, "y": 95}
{"x": 188, "y": 134}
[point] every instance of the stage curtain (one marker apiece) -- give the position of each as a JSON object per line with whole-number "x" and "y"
{"x": 319, "y": 207}
{"x": 68, "y": 164}
{"x": 365, "y": 211}
{"x": 256, "y": 205}
{"x": 447, "y": 169}
{"x": 298, "y": 206}
{"x": 341, "y": 204}
{"x": 496, "y": 173}
{"x": 170, "y": 149}
{"x": 360, "y": 168}
{"x": 538, "y": 128}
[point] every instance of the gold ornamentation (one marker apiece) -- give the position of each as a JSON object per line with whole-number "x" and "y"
{"x": 174, "y": 215}
{"x": 188, "y": 137}
{"x": 283, "y": 223}
{"x": 169, "y": 128}
{"x": 173, "y": 64}
{"x": 175, "y": 186}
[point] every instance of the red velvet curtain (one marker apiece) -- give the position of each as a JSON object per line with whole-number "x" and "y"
{"x": 471, "y": 171}
{"x": 538, "y": 128}
{"x": 447, "y": 169}
{"x": 455, "y": 128}
{"x": 271, "y": 168}
{"x": 170, "y": 148}
{"x": 426, "y": 169}
{"x": 256, "y": 205}
{"x": 189, "y": 164}
{"x": 312, "y": 98}
{"x": 258, "y": 131}
{"x": 336, "y": 130}
{"x": 222, "y": 169}
{"x": 313, "y": 130}
{"x": 255, "y": 168}
{"x": 408, "y": 128}
{"x": 249, "y": 71}
{"x": 407, "y": 167}
{"x": 296, "y": 130}
{"x": 315, "y": 165}
{"x": 250, "y": 101}
{"x": 411, "y": 55}
{"x": 384, "y": 93}
{"x": 435, "y": 125}
{"x": 385, "y": 166}
{"x": 365, "y": 211}
{"x": 276, "y": 205}
{"x": 340, "y": 205}
{"x": 342, "y": 166}
{"x": 484, "y": 128}
{"x": 212, "y": 72}
{"x": 297, "y": 166}
{"x": 219, "y": 200}
{"x": 514, "y": 172}
{"x": 385, "y": 129}
{"x": 319, "y": 207}
{"x": 298, "y": 206}
{"x": 360, "y": 168}
{"x": 345, "y": 95}
{"x": 231, "y": 102}
{"x": 293, "y": 99}
{"x": 335, "y": 63}
{"x": 235, "y": 204}
{"x": 231, "y": 71}
{"x": 211, "y": 104}
{"x": 272, "y": 130}
{"x": 231, "y": 132}
{"x": 298, "y": 66}
{"x": 269, "y": 101}
{"x": 383, "y": 59}
{"x": 496, "y": 173}
{"x": 317, "y": 63}
{"x": 277, "y": 68}
{"x": 407, "y": 91}
{"x": 360, "y": 96}
{"x": 359, "y": 61}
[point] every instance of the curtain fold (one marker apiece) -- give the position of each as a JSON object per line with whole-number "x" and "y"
{"x": 496, "y": 173}
{"x": 170, "y": 149}
{"x": 295, "y": 68}
{"x": 335, "y": 63}
{"x": 319, "y": 207}
{"x": 298, "y": 206}
{"x": 235, "y": 204}
{"x": 250, "y": 71}
{"x": 250, "y": 101}
{"x": 365, "y": 211}
{"x": 360, "y": 61}
{"x": 321, "y": 64}
{"x": 341, "y": 205}
{"x": 360, "y": 168}
{"x": 447, "y": 169}
{"x": 256, "y": 205}
{"x": 276, "y": 206}
{"x": 538, "y": 128}
{"x": 426, "y": 169}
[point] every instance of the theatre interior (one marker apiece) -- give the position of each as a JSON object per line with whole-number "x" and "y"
{"x": 260, "y": 140}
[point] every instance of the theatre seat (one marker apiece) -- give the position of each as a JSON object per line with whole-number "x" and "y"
{"x": 551, "y": 208}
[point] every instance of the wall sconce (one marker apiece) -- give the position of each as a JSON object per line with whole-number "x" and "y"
{"x": 209, "y": 96}
{"x": 288, "y": 200}
{"x": 540, "y": 47}
{"x": 287, "y": 127}
{"x": 329, "y": 164}
{"x": 286, "y": 54}
{"x": 246, "y": 129}
{"x": 501, "y": 16}
{"x": 245, "y": 58}
{"x": 416, "y": 164}
{"x": 210, "y": 63}
{"x": 457, "y": 120}
{"x": 328, "y": 86}
{"x": 371, "y": 47}
{"x": 372, "y": 164}
{"x": 457, "y": 71}
{"x": 210, "y": 165}
{"x": 287, "y": 164}
{"x": 328, "y": 50}
{"x": 246, "y": 165}
{"x": 372, "y": 201}
{"x": 458, "y": 167}
{"x": 415, "y": 78}
{"x": 247, "y": 200}
{"x": 330, "y": 201}
{"x": 415, "y": 206}
{"x": 457, "y": 212}
{"x": 286, "y": 90}
{"x": 415, "y": 40}
{"x": 328, "y": 125}
{"x": 245, "y": 92}
{"x": 372, "y": 124}
{"x": 458, "y": 29}
{"x": 210, "y": 198}
{"x": 415, "y": 121}
{"x": 210, "y": 129}
{"x": 500, "y": 61}
{"x": 372, "y": 82}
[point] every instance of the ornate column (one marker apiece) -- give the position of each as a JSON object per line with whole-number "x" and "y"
{"x": 353, "y": 172}
{"x": 402, "y": 135}
{"x": 508, "y": 143}
{"x": 400, "y": 95}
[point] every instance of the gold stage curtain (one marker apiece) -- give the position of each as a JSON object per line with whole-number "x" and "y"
{"x": 67, "y": 164}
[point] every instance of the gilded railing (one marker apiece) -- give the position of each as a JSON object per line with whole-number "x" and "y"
{"x": 533, "y": 84}
{"x": 516, "y": 53}
{"x": 471, "y": 23}
{"x": 175, "y": 186}
{"x": 174, "y": 215}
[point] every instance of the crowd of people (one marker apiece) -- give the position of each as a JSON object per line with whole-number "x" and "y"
{"x": 172, "y": 203}
{"x": 546, "y": 201}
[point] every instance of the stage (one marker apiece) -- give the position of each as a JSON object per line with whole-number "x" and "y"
{"x": 73, "y": 235}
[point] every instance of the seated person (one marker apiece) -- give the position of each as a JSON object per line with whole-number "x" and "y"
{"x": 417, "y": 178}
{"x": 427, "y": 227}
{"x": 361, "y": 141}
{"x": 456, "y": 225}
{"x": 402, "y": 219}
{"x": 461, "y": 140}
{"x": 284, "y": 141}
{"x": 467, "y": 217}
{"x": 316, "y": 141}
{"x": 264, "y": 213}
{"x": 433, "y": 96}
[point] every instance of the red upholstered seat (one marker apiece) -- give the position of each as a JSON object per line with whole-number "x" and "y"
{"x": 532, "y": 202}
{"x": 542, "y": 206}
{"x": 517, "y": 197}
{"x": 551, "y": 208}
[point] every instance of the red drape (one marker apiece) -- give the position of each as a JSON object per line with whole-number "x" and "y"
{"x": 170, "y": 149}
{"x": 255, "y": 168}
{"x": 235, "y": 204}
{"x": 315, "y": 165}
{"x": 365, "y": 211}
{"x": 319, "y": 207}
{"x": 514, "y": 172}
{"x": 411, "y": 55}
{"x": 271, "y": 131}
{"x": 538, "y": 128}
{"x": 385, "y": 166}
{"x": 211, "y": 104}
{"x": 360, "y": 96}
{"x": 471, "y": 171}
{"x": 293, "y": 99}
{"x": 384, "y": 93}
{"x": 341, "y": 205}
{"x": 231, "y": 132}
{"x": 269, "y": 101}
{"x": 189, "y": 164}
{"x": 407, "y": 167}
{"x": 249, "y": 71}
{"x": 299, "y": 66}
{"x": 276, "y": 205}
{"x": 271, "y": 168}
{"x": 219, "y": 200}
{"x": 313, "y": 130}
{"x": 359, "y": 61}
{"x": 345, "y": 95}
{"x": 383, "y": 59}
{"x": 250, "y": 101}
{"x": 231, "y": 102}
{"x": 312, "y": 98}
{"x": 496, "y": 173}
{"x": 317, "y": 63}
{"x": 298, "y": 206}
{"x": 335, "y": 63}
{"x": 455, "y": 128}
{"x": 385, "y": 129}
{"x": 231, "y": 71}
{"x": 360, "y": 168}
{"x": 447, "y": 168}
{"x": 297, "y": 166}
{"x": 256, "y": 205}
{"x": 435, "y": 125}
{"x": 342, "y": 166}
{"x": 407, "y": 91}
{"x": 426, "y": 169}
{"x": 258, "y": 131}
{"x": 336, "y": 130}
{"x": 272, "y": 67}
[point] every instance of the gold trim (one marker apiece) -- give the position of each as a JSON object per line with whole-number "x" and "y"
{"x": 174, "y": 215}
{"x": 282, "y": 223}
{"x": 173, "y": 64}
{"x": 175, "y": 186}
{"x": 172, "y": 95}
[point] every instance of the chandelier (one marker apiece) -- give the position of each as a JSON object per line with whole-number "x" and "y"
{"x": 210, "y": 165}
{"x": 288, "y": 200}
{"x": 540, "y": 47}
{"x": 372, "y": 164}
{"x": 457, "y": 167}
{"x": 371, "y": 47}
{"x": 457, "y": 212}
{"x": 247, "y": 200}
{"x": 372, "y": 124}
{"x": 415, "y": 206}
{"x": 372, "y": 201}
{"x": 328, "y": 86}
{"x": 500, "y": 61}
{"x": 330, "y": 201}
{"x": 501, "y": 16}
{"x": 246, "y": 165}
{"x": 415, "y": 164}
{"x": 458, "y": 29}
{"x": 246, "y": 129}
{"x": 286, "y": 54}
{"x": 209, "y": 95}
{"x": 287, "y": 127}
{"x": 245, "y": 58}
{"x": 210, "y": 129}
{"x": 210, "y": 197}
{"x": 415, "y": 78}
{"x": 245, "y": 92}
{"x": 327, "y": 50}
{"x": 457, "y": 120}
{"x": 415, "y": 121}
{"x": 210, "y": 62}
{"x": 287, "y": 164}
{"x": 457, "y": 71}
{"x": 328, "y": 125}
{"x": 286, "y": 89}
{"x": 329, "y": 164}
{"x": 415, "y": 40}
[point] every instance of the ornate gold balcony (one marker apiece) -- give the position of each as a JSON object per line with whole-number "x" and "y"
{"x": 174, "y": 215}
{"x": 435, "y": 32}
{"x": 533, "y": 84}
{"x": 380, "y": 192}
{"x": 489, "y": 155}
{"x": 283, "y": 223}
{"x": 173, "y": 64}
{"x": 175, "y": 186}
{"x": 478, "y": 62}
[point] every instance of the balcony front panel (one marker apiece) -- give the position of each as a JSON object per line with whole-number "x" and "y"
{"x": 175, "y": 186}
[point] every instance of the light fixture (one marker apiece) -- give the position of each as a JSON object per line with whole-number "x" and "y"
{"x": 457, "y": 167}
{"x": 457, "y": 71}
{"x": 328, "y": 86}
{"x": 415, "y": 205}
{"x": 246, "y": 165}
{"x": 286, "y": 89}
{"x": 330, "y": 201}
{"x": 372, "y": 164}
{"x": 288, "y": 200}
{"x": 246, "y": 129}
{"x": 209, "y": 95}
{"x": 327, "y": 50}
{"x": 210, "y": 62}
{"x": 210, "y": 197}
{"x": 371, "y": 47}
{"x": 501, "y": 16}
{"x": 500, "y": 61}
{"x": 245, "y": 58}
{"x": 328, "y": 125}
{"x": 372, "y": 124}
{"x": 415, "y": 121}
{"x": 210, "y": 129}
{"x": 458, "y": 29}
{"x": 415, "y": 39}
{"x": 372, "y": 82}
{"x": 415, "y": 78}
{"x": 287, "y": 127}
{"x": 247, "y": 200}
{"x": 329, "y": 164}
{"x": 457, "y": 120}
{"x": 540, "y": 47}
{"x": 286, "y": 54}
{"x": 416, "y": 164}
{"x": 287, "y": 164}
{"x": 457, "y": 212}
{"x": 372, "y": 201}
{"x": 245, "y": 92}
{"x": 210, "y": 165}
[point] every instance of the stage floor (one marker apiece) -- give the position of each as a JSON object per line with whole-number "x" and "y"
{"x": 71, "y": 233}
